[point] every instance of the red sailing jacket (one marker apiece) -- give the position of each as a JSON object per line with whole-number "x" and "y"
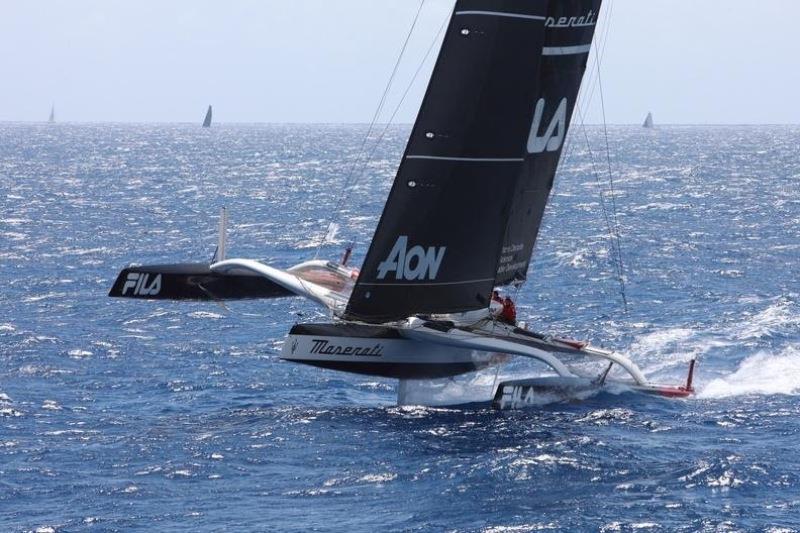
{"x": 509, "y": 313}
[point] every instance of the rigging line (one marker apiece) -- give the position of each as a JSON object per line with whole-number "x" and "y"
{"x": 397, "y": 107}
{"x": 596, "y": 74}
{"x": 614, "y": 250}
{"x": 583, "y": 98}
{"x": 599, "y": 54}
{"x": 597, "y": 179}
{"x": 613, "y": 194}
{"x": 374, "y": 120}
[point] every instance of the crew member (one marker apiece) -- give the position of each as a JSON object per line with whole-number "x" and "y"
{"x": 509, "y": 312}
{"x": 496, "y": 304}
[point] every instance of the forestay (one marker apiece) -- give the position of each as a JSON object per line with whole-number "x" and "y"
{"x": 464, "y": 210}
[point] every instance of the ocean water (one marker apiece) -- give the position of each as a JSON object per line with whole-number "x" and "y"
{"x": 156, "y": 416}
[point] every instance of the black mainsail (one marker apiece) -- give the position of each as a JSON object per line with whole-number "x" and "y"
{"x": 465, "y": 207}
{"x": 207, "y": 121}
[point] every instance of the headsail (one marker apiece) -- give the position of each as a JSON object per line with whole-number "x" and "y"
{"x": 481, "y": 158}
{"x": 648, "y": 122}
{"x": 569, "y": 31}
{"x": 207, "y": 121}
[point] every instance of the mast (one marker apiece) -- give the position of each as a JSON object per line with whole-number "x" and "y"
{"x": 207, "y": 120}
{"x": 466, "y": 204}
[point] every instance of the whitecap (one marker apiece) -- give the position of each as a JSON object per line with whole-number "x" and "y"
{"x": 759, "y": 374}
{"x": 206, "y": 314}
{"x": 378, "y": 478}
{"x": 523, "y": 528}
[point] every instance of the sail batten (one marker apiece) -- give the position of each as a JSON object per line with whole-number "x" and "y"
{"x": 501, "y": 14}
{"x": 468, "y": 159}
{"x": 489, "y": 132}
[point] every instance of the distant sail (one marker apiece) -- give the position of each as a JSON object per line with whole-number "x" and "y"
{"x": 648, "y": 122}
{"x": 52, "y": 114}
{"x": 207, "y": 121}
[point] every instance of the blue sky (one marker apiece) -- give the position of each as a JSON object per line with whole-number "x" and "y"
{"x": 689, "y": 61}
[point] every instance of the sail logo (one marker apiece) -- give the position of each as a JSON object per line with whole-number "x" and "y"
{"x": 323, "y": 347}
{"x": 415, "y": 264}
{"x": 589, "y": 19}
{"x": 553, "y": 136}
{"x": 515, "y": 397}
{"x": 141, "y": 285}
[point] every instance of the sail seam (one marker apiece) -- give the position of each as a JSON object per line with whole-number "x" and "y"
{"x": 471, "y": 281}
{"x": 566, "y": 50}
{"x": 469, "y": 159}
{"x": 502, "y": 14}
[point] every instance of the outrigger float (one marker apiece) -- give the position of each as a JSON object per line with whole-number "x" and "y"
{"x": 461, "y": 219}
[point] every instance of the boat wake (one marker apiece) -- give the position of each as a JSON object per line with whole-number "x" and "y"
{"x": 750, "y": 355}
{"x": 477, "y": 387}
{"x": 760, "y": 374}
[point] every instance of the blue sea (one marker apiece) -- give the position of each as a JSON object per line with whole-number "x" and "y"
{"x": 121, "y": 415}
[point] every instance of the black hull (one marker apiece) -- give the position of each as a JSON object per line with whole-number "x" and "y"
{"x": 396, "y": 370}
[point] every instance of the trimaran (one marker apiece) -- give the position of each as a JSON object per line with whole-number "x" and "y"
{"x": 461, "y": 219}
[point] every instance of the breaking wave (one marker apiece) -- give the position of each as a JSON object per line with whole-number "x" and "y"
{"x": 759, "y": 374}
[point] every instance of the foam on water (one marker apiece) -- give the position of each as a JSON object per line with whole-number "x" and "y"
{"x": 475, "y": 387}
{"x": 759, "y": 374}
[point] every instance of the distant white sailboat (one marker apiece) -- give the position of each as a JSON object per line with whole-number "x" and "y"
{"x": 648, "y": 122}
{"x": 207, "y": 121}
{"x": 52, "y": 117}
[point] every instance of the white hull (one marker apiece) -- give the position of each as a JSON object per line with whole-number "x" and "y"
{"x": 422, "y": 350}
{"x": 380, "y": 351}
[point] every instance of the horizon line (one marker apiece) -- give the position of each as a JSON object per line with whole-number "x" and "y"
{"x": 326, "y": 123}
